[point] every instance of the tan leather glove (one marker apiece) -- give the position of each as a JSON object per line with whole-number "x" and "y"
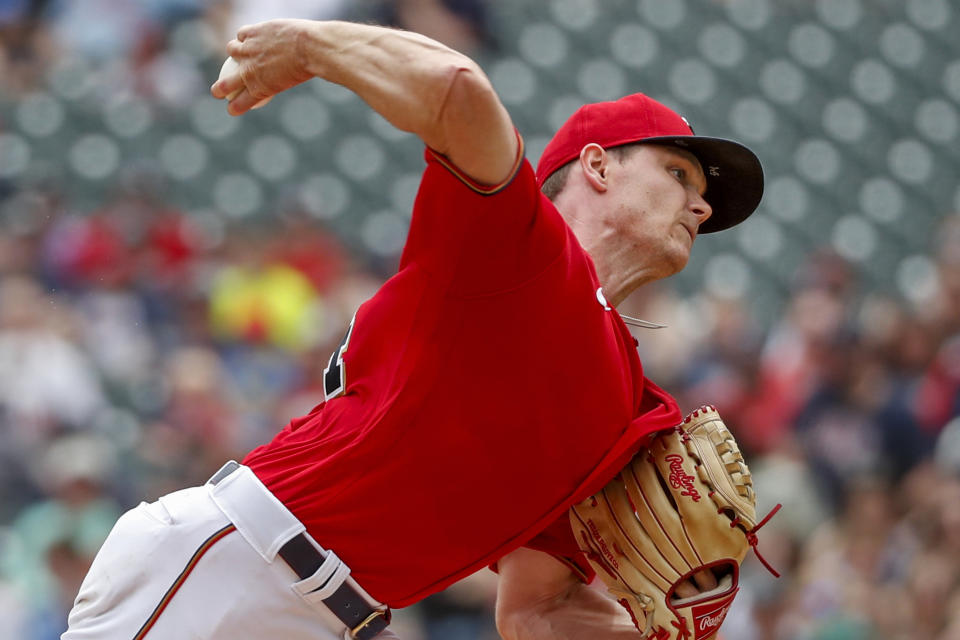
{"x": 683, "y": 505}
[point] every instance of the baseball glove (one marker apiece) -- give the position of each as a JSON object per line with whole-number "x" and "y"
{"x": 684, "y": 504}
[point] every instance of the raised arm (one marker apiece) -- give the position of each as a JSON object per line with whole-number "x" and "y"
{"x": 539, "y": 598}
{"x": 415, "y": 83}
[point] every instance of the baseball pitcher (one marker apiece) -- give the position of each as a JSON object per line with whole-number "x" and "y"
{"x": 486, "y": 389}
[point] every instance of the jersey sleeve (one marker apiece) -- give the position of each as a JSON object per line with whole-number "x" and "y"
{"x": 557, "y": 540}
{"x": 477, "y": 239}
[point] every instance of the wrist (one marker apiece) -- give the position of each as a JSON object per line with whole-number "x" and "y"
{"x": 307, "y": 47}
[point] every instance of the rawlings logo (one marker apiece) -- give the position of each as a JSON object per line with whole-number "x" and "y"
{"x": 612, "y": 559}
{"x": 708, "y": 617}
{"x": 679, "y": 479}
{"x": 714, "y": 621}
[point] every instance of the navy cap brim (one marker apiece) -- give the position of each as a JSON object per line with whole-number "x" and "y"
{"x": 734, "y": 177}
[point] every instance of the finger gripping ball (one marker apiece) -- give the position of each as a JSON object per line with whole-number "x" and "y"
{"x": 231, "y": 67}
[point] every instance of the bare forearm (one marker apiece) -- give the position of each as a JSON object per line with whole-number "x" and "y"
{"x": 416, "y": 83}
{"x": 539, "y": 598}
{"x": 583, "y": 615}
{"x": 404, "y": 76}
{"x": 421, "y": 86}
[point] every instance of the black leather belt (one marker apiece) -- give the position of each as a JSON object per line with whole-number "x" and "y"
{"x": 363, "y": 621}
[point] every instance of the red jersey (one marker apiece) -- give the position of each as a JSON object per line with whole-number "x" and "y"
{"x": 476, "y": 396}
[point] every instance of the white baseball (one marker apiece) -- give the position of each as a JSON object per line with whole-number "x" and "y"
{"x": 230, "y": 67}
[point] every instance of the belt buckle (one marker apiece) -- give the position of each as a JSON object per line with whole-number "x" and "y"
{"x": 384, "y": 613}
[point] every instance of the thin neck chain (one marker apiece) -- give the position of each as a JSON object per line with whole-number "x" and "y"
{"x": 643, "y": 324}
{"x": 635, "y": 322}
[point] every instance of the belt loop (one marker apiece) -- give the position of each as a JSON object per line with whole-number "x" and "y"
{"x": 224, "y": 471}
{"x": 252, "y": 508}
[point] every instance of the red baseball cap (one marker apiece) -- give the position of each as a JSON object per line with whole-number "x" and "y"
{"x": 733, "y": 172}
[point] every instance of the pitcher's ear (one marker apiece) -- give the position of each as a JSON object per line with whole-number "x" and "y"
{"x": 594, "y": 160}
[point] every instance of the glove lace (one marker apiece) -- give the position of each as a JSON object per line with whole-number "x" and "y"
{"x": 681, "y": 625}
{"x": 661, "y": 634}
{"x": 752, "y": 539}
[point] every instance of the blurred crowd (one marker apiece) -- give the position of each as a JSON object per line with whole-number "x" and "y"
{"x": 133, "y": 41}
{"x": 142, "y": 346}
{"x": 848, "y": 410}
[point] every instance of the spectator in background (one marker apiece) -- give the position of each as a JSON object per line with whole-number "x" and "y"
{"x": 13, "y": 623}
{"x": 462, "y": 25}
{"x": 97, "y": 30}
{"x": 259, "y": 299}
{"x": 168, "y": 12}
{"x": 28, "y": 216}
{"x": 53, "y": 541}
{"x": 723, "y": 366}
{"x": 893, "y": 349}
{"x": 797, "y": 350}
{"x": 946, "y": 303}
{"x": 113, "y": 262}
{"x": 932, "y": 582}
{"x": 253, "y": 11}
{"x": 844, "y": 562}
{"x": 47, "y": 382}
{"x": 303, "y": 243}
{"x": 197, "y": 424}
{"x": 938, "y": 390}
{"x": 26, "y": 48}
{"x": 115, "y": 334}
{"x": 837, "y": 425}
{"x": 81, "y": 250}
{"x": 952, "y": 630}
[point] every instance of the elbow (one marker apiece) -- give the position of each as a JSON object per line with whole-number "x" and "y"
{"x": 527, "y": 625}
{"x": 467, "y": 97}
{"x": 468, "y": 87}
{"x": 465, "y": 76}
{"x": 522, "y": 623}
{"x": 509, "y": 625}
{"x": 511, "y": 616}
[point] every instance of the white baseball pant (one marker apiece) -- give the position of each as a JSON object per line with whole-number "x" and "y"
{"x": 203, "y": 563}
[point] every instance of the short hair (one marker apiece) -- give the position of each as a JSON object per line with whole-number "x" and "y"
{"x": 557, "y": 180}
